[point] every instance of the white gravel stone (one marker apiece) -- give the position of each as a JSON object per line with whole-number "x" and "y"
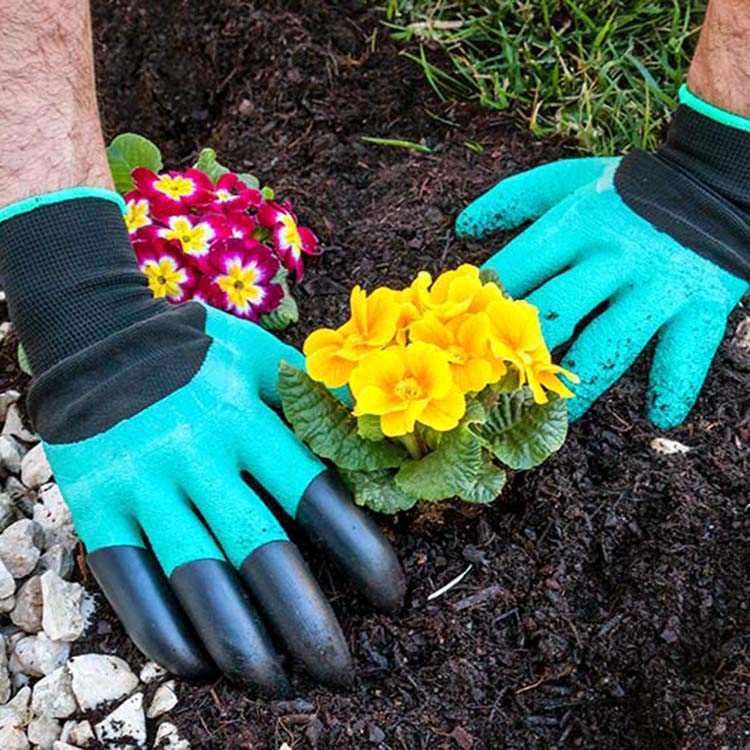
{"x": 99, "y": 678}
{"x": 7, "y": 584}
{"x": 4, "y": 675}
{"x": 58, "y": 558}
{"x": 43, "y": 731}
{"x": 14, "y": 426}
{"x": 79, "y": 733}
{"x": 27, "y": 614}
{"x": 6, "y": 399}
{"x": 669, "y": 447}
{"x": 53, "y": 516}
{"x": 11, "y": 454}
{"x": 151, "y": 671}
{"x": 35, "y": 469}
{"x": 126, "y": 722}
{"x": 7, "y": 604}
{"x": 64, "y": 746}
{"x": 168, "y": 738}
{"x": 17, "y": 549}
{"x": 12, "y": 738}
{"x": 61, "y": 617}
{"x": 164, "y": 700}
{"x": 53, "y": 695}
{"x": 15, "y": 713}
{"x": 38, "y": 655}
{"x": 7, "y": 510}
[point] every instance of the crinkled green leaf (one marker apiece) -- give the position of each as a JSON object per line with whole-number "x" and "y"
{"x": 128, "y": 151}
{"x": 377, "y": 491}
{"x": 521, "y": 433}
{"x": 207, "y": 163}
{"x": 286, "y": 313}
{"x": 23, "y": 360}
{"x": 250, "y": 180}
{"x": 328, "y": 427}
{"x": 487, "y": 485}
{"x": 451, "y": 468}
{"x": 368, "y": 426}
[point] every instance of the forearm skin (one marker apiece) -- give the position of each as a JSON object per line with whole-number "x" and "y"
{"x": 720, "y": 71}
{"x": 50, "y": 132}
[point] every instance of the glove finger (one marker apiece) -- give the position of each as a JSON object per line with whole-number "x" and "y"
{"x": 212, "y": 596}
{"x": 135, "y": 586}
{"x": 324, "y": 509}
{"x": 568, "y": 298}
{"x": 526, "y": 196}
{"x": 611, "y": 342}
{"x": 543, "y": 250}
{"x": 274, "y": 572}
{"x": 686, "y": 347}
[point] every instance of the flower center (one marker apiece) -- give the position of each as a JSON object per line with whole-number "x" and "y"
{"x": 457, "y": 355}
{"x": 238, "y": 285}
{"x": 407, "y": 389}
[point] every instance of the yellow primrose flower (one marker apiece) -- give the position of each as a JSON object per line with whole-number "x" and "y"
{"x": 405, "y": 385}
{"x": 466, "y": 341}
{"x": 516, "y": 336}
{"x": 452, "y": 293}
{"x": 333, "y": 354}
{"x": 175, "y": 186}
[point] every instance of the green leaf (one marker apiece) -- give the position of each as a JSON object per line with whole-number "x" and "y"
{"x": 328, "y": 427}
{"x": 368, "y": 427}
{"x": 250, "y": 180}
{"x": 487, "y": 484}
{"x": 521, "y": 433}
{"x": 377, "y": 491}
{"x": 286, "y": 313}
{"x": 23, "y": 360}
{"x": 451, "y": 468}
{"x": 128, "y": 151}
{"x": 207, "y": 163}
{"x": 268, "y": 193}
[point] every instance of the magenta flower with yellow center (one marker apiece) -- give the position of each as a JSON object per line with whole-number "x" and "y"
{"x": 137, "y": 214}
{"x": 406, "y": 385}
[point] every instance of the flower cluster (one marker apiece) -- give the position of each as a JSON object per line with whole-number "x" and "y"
{"x": 414, "y": 356}
{"x": 223, "y": 243}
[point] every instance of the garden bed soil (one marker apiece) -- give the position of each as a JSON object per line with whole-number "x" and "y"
{"x": 607, "y": 602}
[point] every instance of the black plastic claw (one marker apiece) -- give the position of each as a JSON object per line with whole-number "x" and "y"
{"x": 212, "y": 595}
{"x": 294, "y": 606}
{"x": 352, "y": 540}
{"x": 137, "y": 589}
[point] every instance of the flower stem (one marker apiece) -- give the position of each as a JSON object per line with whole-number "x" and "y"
{"x": 411, "y": 444}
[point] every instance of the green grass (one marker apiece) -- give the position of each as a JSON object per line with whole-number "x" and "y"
{"x": 606, "y": 72}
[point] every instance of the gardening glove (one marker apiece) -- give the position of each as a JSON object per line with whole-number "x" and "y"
{"x": 150, "y": 414}
{"x": 663, "y": 238}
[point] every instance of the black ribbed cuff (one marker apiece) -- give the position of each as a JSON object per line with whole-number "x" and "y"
{"x": 695, "y": 188}
{"x": 71, "y": 278}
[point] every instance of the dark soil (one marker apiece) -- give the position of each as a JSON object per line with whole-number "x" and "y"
{"x": 607, "y": 604}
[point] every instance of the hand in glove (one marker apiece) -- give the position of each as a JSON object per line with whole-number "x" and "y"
{"x": 663, "y": 238}
{"x": 150, "y": 414}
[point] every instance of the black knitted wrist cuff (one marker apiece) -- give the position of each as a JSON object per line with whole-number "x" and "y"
{"x": 71, "y": 278}
{"x": 696, "y": 188}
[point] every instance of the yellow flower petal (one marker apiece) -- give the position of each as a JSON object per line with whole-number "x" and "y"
{"x": 445, "y": 413}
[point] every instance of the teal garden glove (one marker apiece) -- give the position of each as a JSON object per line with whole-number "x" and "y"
{"x": 663, "y": 238}
{"x": 150, "y": 415}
